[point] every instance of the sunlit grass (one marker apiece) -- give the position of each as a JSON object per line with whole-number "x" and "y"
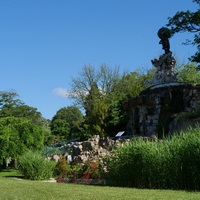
{"x": 13, "y": 188}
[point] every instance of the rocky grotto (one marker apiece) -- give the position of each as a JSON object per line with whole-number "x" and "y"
{"x": 155, "y": 111}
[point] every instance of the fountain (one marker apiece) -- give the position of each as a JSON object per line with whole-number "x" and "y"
{"x": 156, "y": 109}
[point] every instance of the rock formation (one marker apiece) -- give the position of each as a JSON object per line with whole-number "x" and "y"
{"x": 91, "y": 150}
{"x": 164, "y": 69}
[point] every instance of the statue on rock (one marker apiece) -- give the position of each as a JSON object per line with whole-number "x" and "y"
{"x": 166, "y": 62}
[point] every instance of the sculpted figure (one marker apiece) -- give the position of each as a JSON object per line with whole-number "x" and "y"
{"x": 164, "y": 35}
{"x": 165, "y": 64}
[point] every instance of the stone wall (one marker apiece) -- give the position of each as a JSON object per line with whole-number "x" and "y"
{"x": 154, "y": 111}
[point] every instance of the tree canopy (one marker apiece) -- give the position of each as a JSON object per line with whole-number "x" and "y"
{"x": 66, "y": 122}
{"x": 21, "y": 127}
{"x": 188, "y": 21}
{"x": 11, "y": 105}
{"x": 18, "y": 135}
{"x": 188, "y": 73}
{"x": 101, "y": 92}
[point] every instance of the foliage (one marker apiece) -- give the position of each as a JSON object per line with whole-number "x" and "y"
{"x": 75, "y": 171}
{"x": 60, "y": 128}
{"x": 11, "y": 105}
{"x": 48, "y": 137}
{"x": 188, "y": 115}
{"x": 104, "y": 77}
{"x": 189, "y": 73}
{"x": 71, "y": 171}
{"x": 17, "y": 135}
{"x": 88, "y": 170}
{"x": 128, "y": 86}
{"x": 91, "y": 90}
{"x": 61, "y": 168}
{"x": 187, "y": 21}
{"x": 101, "y": 92}
{"x": 173, "y": 163}
{"x": 34, "y": 166}
{"x": 67, "y": 122}
{"x": 9, "y": 99}
{"x": 92, "y": 170}
{"x": 96, "y": 109}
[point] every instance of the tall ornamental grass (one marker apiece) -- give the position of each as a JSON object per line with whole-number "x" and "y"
{"x": 172, "y": 163}
{"x": 34, "y": 166}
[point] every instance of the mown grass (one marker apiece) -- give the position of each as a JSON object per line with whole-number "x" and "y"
{"x": 12, "y": 188}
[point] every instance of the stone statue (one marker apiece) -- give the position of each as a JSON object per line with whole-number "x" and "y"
{"x": 165, "y": 64}
{"x": 164, "y": 35}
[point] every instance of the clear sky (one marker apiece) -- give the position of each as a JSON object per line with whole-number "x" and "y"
{"x": 44, "y": 43}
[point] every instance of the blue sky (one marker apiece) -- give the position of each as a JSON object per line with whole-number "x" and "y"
{"x": 44, "y": 43}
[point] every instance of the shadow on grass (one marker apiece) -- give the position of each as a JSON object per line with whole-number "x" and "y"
{"x": 10, "y": 173}
{"x": 14, "y": 176}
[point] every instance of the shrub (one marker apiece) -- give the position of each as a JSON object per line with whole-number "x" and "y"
{"x": 76, "y": 171}
{"x": 92, "y": 170}
{"x": 34, "y": 166}
{"x": 171, "y": 163}
{"x": 62, "y": 168}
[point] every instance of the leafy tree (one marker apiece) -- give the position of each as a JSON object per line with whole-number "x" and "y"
{"x": 67, "y": 122}
{"x": 18, "y": 135}
{"x": 9, "y": 99}
{"x": 11, "y": 105}
{"x": 101, "y": 92}
{"x": 48, "y": 137}
{"x": 91, "y": 90}
{"x": 128, "y": 86}
{"x": 104, "y": 77}
{"x": 60, "y": 128}
{"x": 189, "y": 73}
{"x": 187, "y": 21}
{"x": 96, "y": 109}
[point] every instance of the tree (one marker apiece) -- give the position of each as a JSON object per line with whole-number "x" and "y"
{"x": 92, "y": 90}
{"x": 101, "y": 92}
{"x": 9, "y": 99}
{"x": 189, "y": 73}
{"x": 188, "y": 22}
{"x": 48, "y": 136}
{"x": 60, "y": 128}
{"x": 18, "y": 135}
{"x": 11, "y": 105}
{"x": 104, "y": 77}
{"x": 96, "y": 108}
{"x": 67, "y": 122}
{"x": 128, "y": 86}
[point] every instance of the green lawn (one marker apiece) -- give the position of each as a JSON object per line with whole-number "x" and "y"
{"x": 14, "y": 189}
